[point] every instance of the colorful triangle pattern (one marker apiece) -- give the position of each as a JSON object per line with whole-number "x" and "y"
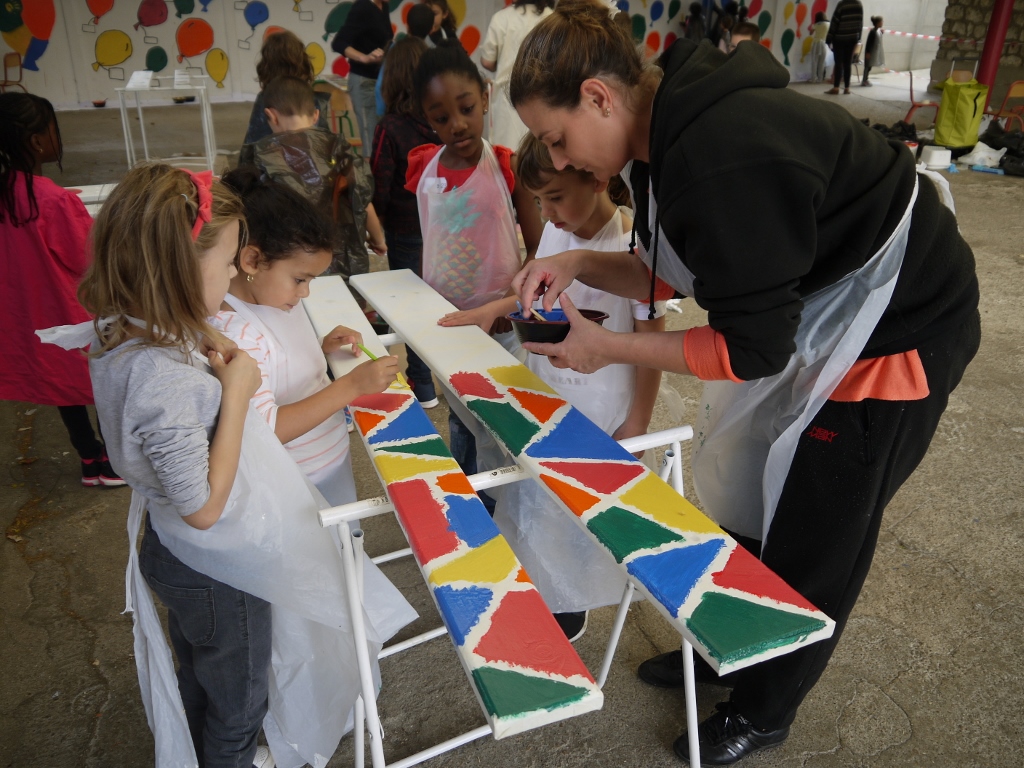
{"x": 696, "y": 573}
{"x": 524, "y": 668}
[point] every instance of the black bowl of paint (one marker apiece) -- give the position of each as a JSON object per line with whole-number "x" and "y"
{"x": 554, "y": 330}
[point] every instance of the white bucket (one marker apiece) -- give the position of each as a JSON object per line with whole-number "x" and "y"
{"x": 936, "y": 158}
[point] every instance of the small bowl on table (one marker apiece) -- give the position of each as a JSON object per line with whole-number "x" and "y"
{"x": 554, "y": 330}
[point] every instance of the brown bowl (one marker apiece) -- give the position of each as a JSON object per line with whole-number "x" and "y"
{"x": 552, "y": 331}
{"x": 100, "y": 103}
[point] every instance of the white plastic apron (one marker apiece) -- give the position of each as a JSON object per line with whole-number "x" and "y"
{"x": 470, "y": 248}
{"x": 571, "y": 572}
{"x": 746, "y": 433}
{"x": 267, "y": 543}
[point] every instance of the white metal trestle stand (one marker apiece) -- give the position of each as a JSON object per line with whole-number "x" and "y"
{"x": 367, "y": 719}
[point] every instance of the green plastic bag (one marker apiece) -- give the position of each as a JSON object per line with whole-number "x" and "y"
{"x": 960, "y": 113}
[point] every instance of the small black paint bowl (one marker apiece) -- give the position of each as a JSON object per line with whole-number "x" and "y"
{"x": 553, "y": 331}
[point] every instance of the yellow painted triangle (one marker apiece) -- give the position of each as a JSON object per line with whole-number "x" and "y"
{"x": 487, "y": 564}
{"x": 519, "y": 376}
{"x": 394, "y": 468}
{"x": 656, "y": 498}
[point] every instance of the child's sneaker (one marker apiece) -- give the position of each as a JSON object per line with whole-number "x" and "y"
{"x": 350, "y": 425}
{"x": 425, "y": 394}
{"x": 96, "y": 472}
{"x": 263, "y": 758}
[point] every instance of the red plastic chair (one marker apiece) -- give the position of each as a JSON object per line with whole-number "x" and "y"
{"x": 12, "y": 60}
{"x": 916, "y": 105}
{"x": 1011, "y": 113}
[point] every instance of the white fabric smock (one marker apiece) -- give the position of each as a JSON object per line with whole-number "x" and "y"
{"x": 571, "y": 572}
{"x": 268, "y": 543}
{"x": 470, "y": 248}
{"x": 746, "y": 433}
{"x": 292, "y": 364}
{"x": 506, "y": 32}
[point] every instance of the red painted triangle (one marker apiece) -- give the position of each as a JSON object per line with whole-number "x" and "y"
{"x": 473, "y": 384}
{"x": 541, "y": 406}
{"x": 524, "y": 633}
{"x": 748, "y": 574}
{"x": 423, "y": 518}
{"x": 382, "y": 401}
{"x": 603, "y": 477}
{"x": 367, "y": 421}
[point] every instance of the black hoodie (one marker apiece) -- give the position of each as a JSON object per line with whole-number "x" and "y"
{"x": 768, "y": 196}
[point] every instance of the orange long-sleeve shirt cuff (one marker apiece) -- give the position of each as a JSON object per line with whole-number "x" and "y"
{"x": 707, "y": 355}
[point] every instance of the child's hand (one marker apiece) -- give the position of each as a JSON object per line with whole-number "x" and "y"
{"x": 239, "y": 376}
{"x": 374, "y": 375}
{"x": 482, "y": 317}
{"x": 215, "y": 341}
{"x": 339, "y": 337}
{"x": 627, "y": 430}
{"x": 378, "y": 247}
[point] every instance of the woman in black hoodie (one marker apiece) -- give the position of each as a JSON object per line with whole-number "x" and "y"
{"x": 842, "y": 308}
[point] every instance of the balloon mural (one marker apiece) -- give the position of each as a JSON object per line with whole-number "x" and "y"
{"x": 26, "y": 28}
{"x": 194, "y": 37}
{"x": 217, "y": 66}
{"x": 113, "y": 47}
{"x": 156, "y": 59}
{"x": 151, "y": 13}
{"x": 184, "y": 7}
{"x": 255, "y": 13}
{"x": 98, "y": 8}
{"x": 336, "y": 19}
{"x": 317, "y": 58}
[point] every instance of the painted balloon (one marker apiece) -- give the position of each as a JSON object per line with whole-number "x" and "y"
{"x": 112, "y": 48}
{"x": 297, "y": 8}
{"x": 470, "y": 39}
{"x": 151, "y": 13}
{"x": 273, "y": 29}
{"x": 805, "y": 49}
{"x": 657, "y": 8}
{"x": 317, "y": 58}
{"x": 670, "y": 37}
{"x": 653, "y": 43}
{"x": 755, "y": 6}
{"x": 340, "y": 66}
{"x": 256, "y": 13}
{"x": 336, "y": 19}
{"x": 10, "y": 16}
{"x": 788, "y": 36}
{"x": 39, "y": 16}
{"x": 639, "y": 27}
{"x": 184, "y": 7}
{"x": 19, "y": 39}
{"x": 217, "y": 66}
{"x": 156, "y": 59}
{"x": 623, "y": 5}
{"x": 457, "y": 7}
{"x": 820, "y": 6}
{"x": 673, "y": 9}
{"x": 764, "y": 21}
{"x": 801, "y": 14}
{"x": 98, "y": 8}
{"x": 787, "y": 12}
{"x": 194, "y": 36}
{"x": 393, "y": 5}
{"x": 36, "y": 48}
{"x": 205, "y": 4}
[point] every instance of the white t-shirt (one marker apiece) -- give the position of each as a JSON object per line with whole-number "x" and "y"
{"x": 293, "y": 367}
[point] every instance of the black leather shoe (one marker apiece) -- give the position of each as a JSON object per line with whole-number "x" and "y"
{"x": 666, "y": 671}
{"x": 727, "y": 737}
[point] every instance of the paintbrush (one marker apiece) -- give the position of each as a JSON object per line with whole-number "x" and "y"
{"x": 369, "y": 354}
{"x": 533, "y": 311}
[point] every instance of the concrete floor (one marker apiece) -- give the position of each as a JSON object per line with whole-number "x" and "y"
{"x": 926, "y": 675}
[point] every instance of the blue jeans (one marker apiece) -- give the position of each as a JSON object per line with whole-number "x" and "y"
{"x": 360, "y": 90}
{"x": 462, "y": 444}
{"x": 406, "y": 252}
{"x": 221, "y": 638}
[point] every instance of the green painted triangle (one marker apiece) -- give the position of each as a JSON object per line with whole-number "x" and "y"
{"x": 624, "y": 533}
{"x": 733, "y": 629}
{"x": 506, "y": 693}
{"x": 433, "y": 446}
{"x": 511, "y": 427}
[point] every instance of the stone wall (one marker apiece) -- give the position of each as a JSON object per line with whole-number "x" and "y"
{"x": 968, "y": 19}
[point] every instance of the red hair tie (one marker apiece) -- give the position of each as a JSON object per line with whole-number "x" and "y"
{"x": 203, "y": 183}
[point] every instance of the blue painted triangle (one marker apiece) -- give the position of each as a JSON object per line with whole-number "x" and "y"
{"x": 469, "y": 519}
{"x": 672, "y": 574}
{"x": 577, "y": 437}
{"x": 412, "y": 422}
{"x": 461, "y": 608}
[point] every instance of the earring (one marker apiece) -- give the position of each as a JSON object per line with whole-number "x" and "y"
{"x": 248, "y": 278}
{"x": 607, "y": 111}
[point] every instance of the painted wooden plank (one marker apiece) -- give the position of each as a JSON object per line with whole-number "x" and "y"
{"x": 734, "y": 610}
{"x": 523, "y": 670}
